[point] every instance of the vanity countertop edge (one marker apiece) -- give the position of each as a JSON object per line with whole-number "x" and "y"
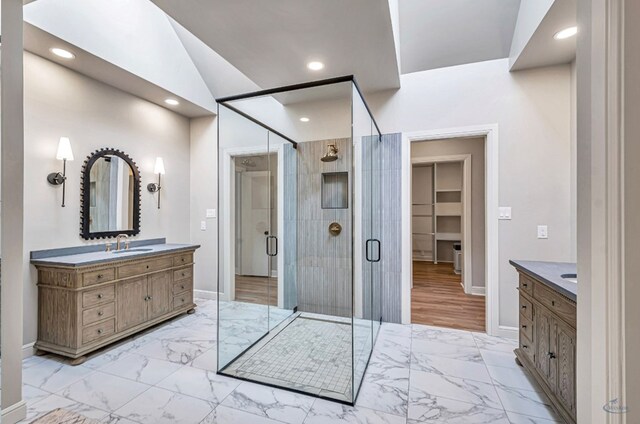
{"x": 550, "y": 274}
{"x": 79, "y": 260}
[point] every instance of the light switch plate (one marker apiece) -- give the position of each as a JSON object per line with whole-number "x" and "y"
{"x": 504, "y": 212}
{"x": 203, "y": 225}
{"x": 543, "y": 232}
{"x": 211, "y": 213}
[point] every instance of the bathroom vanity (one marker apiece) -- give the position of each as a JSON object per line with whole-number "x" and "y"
{"x": 547, "y": 321}
{"x": 88, "y": 299}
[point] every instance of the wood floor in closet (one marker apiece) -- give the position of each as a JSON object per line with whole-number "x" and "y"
{"x": 437, "y": 298}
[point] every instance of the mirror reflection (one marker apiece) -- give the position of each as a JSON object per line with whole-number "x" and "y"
{"x": 111, "y": 195}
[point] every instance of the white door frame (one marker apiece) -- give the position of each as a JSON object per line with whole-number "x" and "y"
{"x": 490, "y": 132}
{"x": 227, "y": 220}
{"x": 467, "y": 276}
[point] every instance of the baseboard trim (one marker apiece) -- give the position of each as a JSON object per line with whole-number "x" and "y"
{"x": 28, "y": 350}
{"x": 205, "y": 294}
{"x": 508, "y": 332}
{"x": 15, "y": 413}
{"x": 478, "y": 291}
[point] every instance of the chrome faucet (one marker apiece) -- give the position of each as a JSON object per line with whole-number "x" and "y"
{"x": 119, "y": 239}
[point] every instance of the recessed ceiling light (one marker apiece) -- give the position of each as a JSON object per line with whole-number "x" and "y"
{"x": 566, "y": 33}
{"x": 304, "y": 119}
{"x": 172, "y": 102}
{"x": 315, "y": 66}
{"x": 65, "y": 54}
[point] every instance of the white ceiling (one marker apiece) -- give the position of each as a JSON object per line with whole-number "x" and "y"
{"x": 199, "y": 50}
{"x": 542, "y": 49}
{"x": 272, "y": 41}
{"x": 440, "y": 33}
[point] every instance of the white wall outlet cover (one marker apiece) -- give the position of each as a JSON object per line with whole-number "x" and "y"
{"x": 203, "y": 225}
{"x": 504, "y": 212}
{"x": 543, "y": 232}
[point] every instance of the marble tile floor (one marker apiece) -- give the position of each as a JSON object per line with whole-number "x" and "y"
{"x": 417, "y": 374}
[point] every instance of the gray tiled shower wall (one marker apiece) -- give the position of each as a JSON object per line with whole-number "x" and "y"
{"x": 318, "y": 266}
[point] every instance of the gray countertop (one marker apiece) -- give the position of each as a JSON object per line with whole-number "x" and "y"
{"x": 92, "y": 257}
{"x": 550, "y": 274}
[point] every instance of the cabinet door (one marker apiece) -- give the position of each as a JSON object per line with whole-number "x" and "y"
{"x": 159, "y": 289}
{"x": 565, "y": 353}
{"x": 543, "y": 323}
{"x": 131, "y": 298}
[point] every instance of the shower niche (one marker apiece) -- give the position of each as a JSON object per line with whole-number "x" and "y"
{"x": 300, "y": 279}
{"x": 335, "y": 190}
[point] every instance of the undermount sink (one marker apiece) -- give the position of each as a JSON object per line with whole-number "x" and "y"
{"x": 572, "y": 278}
{"x": 117, "y": 252}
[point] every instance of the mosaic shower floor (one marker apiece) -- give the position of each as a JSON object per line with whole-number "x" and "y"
{"x": 309, "y": 354}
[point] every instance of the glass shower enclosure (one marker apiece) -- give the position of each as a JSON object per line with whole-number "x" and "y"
{"x": 300, "y": 279}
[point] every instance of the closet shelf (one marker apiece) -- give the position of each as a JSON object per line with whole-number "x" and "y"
{"x": 447, "y": 190}
{"x": 449, "y": 236}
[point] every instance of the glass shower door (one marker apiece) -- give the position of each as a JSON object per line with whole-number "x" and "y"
{"x": 245, "y": 283}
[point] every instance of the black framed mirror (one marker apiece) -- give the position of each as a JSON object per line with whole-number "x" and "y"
{"x": 109, "y": 195}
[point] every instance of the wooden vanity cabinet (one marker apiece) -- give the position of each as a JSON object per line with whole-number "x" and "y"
{"x": 82, "y": 309}
{"x": 547, "y": 347}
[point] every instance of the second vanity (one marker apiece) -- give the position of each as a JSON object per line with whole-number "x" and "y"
{"x": 547, "y": 319}
{"x": 88, "y": 299}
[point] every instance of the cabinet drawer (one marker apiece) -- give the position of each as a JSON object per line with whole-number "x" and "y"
{"x": 184, "y": 259}
{"x": 98, "y": 331}
{"x": 182, "y": 300}
{"x": 526, "y": 284}
{"x": 526, "y": 346}
{"x": 97, "y": 277}
{"x": 182, "y": 274}
{"x": 556, "y": 303}
{"x": 144, "y": 267}
{"x": 89, "y": 316}
{"x": 526, "y": 308}
{"x": 98, "y": 296}
{"x": 526, "y": 327}
{"x": 182, "y": 286}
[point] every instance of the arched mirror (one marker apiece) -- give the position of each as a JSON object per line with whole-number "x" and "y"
{"x": 110, "y": 203}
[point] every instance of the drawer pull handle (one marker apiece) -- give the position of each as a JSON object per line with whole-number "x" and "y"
{"x": 183, "y": 274}
{"x": 553, "y": 303}
{"x": 182, "y": 259}
{"x": 524, "y": 326}
{"x": 100, "y": 313}
{"x": 150, "y": 297}
{"x": 524, "y": 285}
{"x": 100, "y": 296}
{"x": 524, "y": 306}
{"x": 100, "y": 276}
{"x": 182, "y": 300}
{"x": 147, "y": 266}
{"x": 182, "y": 286}
{"x": 100, "y": 331}
{"x": 525, "y": 347}
{"x": 551, "y": 355}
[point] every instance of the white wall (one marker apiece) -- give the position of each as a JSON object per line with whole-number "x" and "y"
{"x": 530, "y": 15}
{"x": 204, "y": 195}
{"x": 532, "y": 110}
{"x": 60, "y": 102}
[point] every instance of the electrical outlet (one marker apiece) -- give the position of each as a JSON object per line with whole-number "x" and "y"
{"x": 542, "y": 232}
{"x": 211, "y": 213}
{"x": 203, "y": 225}
{"x": 504, "y": 212}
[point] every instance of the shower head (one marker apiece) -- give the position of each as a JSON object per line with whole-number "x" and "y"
{"x": 331, "y": 155}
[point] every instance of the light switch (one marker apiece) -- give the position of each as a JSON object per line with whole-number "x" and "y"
{"x": 211, "y": 213}
{"x": 203, "y": 225}
{"x": 504, "y": 212}
{"x": 542, "y": 232}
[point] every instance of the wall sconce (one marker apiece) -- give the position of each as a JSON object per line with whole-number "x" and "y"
{"x": 64, "y": 154}
{"x": 159, "y": 170}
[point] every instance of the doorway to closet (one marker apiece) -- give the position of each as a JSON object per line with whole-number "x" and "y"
{"x": 448, "y": 233}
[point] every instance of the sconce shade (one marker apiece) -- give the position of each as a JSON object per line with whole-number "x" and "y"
{"x": 64, "y": 149}
{"x": 159, "y": 168}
